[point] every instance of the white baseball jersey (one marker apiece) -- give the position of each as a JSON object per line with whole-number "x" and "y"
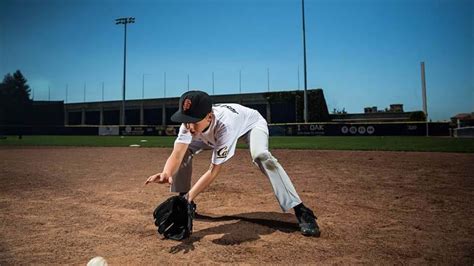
{"x": 231, "y": 121}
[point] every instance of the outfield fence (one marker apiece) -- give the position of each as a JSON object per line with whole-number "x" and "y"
{"x": 309, "y": 129}
{"x": 463, "y": 132}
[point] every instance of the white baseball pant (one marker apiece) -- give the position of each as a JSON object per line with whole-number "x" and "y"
{"x": 257, "y": 138}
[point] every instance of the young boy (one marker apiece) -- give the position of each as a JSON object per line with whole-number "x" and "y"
{"x": 218, "y": 127}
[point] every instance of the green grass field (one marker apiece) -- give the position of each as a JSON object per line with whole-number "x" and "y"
{"x": 427, "y": 144}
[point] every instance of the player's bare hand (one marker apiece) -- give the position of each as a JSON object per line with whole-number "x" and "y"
{"x": 159, "y": 178}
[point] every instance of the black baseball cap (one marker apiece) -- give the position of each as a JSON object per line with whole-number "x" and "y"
{"x": 193, "y": 107}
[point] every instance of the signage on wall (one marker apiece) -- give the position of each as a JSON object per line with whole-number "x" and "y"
{"x": 360, "y": 130}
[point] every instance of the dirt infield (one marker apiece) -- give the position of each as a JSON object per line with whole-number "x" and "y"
{"x": 67, "y": 205}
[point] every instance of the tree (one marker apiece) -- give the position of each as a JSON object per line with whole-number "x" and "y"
{"x": 14, "y": 99}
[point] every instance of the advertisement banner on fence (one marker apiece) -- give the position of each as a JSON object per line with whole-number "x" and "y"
{"x": 149, "y": 131}
{"x": 109, "y": 131}
{"x": 375, "y": 129}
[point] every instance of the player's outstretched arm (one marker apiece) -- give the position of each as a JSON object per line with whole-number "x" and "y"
{"x": 204, "y": 181}
{"x": 171, "y": 166}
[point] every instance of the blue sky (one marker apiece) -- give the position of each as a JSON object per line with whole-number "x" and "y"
{"x": 360, "y": 52}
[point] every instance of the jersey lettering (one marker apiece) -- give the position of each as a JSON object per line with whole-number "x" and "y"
{"x": 222, "y": 152}
{"x": 228, "y": 107}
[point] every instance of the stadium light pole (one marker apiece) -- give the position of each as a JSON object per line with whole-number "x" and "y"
{"x": 240, "y": 81}
{"x": 299, "y": 77}
{"x": 188, "y": 82}
{"x": 143, "y": 85}
{"x": 124, "y": 21}
{"x": 305, "y": 114}
{"x": 213, "y": 83}
{"x": 423, "y": 91}
{"x": 164, "y": 86}
{"x": 268, "y": 79}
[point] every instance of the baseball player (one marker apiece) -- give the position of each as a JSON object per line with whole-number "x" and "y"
{"x": 218, "y": 127}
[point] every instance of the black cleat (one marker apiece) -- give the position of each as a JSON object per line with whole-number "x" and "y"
{"x": 192, "y": 209}
{"x": 307, "y": 221}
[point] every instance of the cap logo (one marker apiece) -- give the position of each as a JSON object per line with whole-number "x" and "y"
{"x": 187, "y": 104}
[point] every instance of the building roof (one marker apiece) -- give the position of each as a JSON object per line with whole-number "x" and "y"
{"x": 464, "y": 116}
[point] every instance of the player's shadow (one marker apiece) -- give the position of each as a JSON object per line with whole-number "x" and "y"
{"x": 245, "y": 227}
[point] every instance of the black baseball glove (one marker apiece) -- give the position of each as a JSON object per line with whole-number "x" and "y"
{"x": 174, "y": 218}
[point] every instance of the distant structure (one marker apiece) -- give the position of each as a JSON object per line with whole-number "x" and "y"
{"x": 370, "y": 110}
{"x": 276, "y": 107}
{"x": 463, "y": 125}
{"x": 394, "y": 108}
{"x": 463, "y": 120}
{"x": 281, "y": 107}
{"x": 394, "y": 113}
